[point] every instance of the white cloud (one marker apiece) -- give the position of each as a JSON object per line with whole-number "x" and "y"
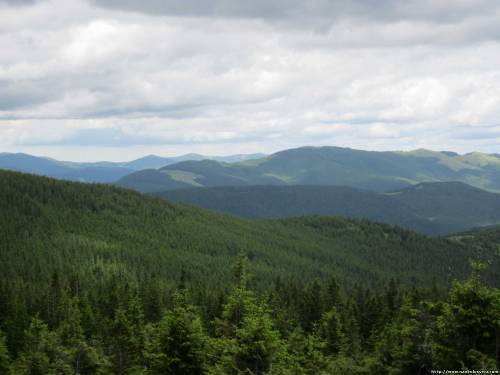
{"x": 252, "y": 78}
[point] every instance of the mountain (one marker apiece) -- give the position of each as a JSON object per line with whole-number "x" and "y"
{"x": 155, "y": 162}
{"x": 104, "y": 231}
{"x": 96, "y": 279}
{"x": 377, "y": 171}
{"x": 84, "y": 172}
{"x": 104, "y": 172}
{"x": 148, "y": 180}
{"x": 451, "y": 206}
{"x": 432, "y": 208}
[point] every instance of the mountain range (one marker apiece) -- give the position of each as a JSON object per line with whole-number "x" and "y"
{"x": 104, "y": 172}
{"x": 370, "y": 170}
{"x": 431, "y": 192}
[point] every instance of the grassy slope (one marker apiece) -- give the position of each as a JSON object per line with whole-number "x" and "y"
{"x": 379, "y": 171}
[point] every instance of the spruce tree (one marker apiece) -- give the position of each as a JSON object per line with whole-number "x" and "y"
{"x": 177, "y": 344}
{"x": 249, "y": 342}
{"x": 4, "y": 354}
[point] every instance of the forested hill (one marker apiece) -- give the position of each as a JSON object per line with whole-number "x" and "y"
{"x": 433, "y": 208}
{"x": 100, "y": 233}
{"x": 99, "y": 280}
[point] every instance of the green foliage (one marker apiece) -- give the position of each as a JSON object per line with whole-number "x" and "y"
{"x": 330, "y": 329}
{"x": 127, "y": 333}
{"x": 83, "y": 357}
{"x": 468, "y": 330}
{"x": 248, "y": 341}
{"x": 177, "y": 344}
{"x": 4, "y": 354}
{"x": 405, "y": 345}
{"x": 43, "y": 352}
{"x": 433, "y": 208}
{"x": 98, "y": 280}
{"x": 305, "y": 353}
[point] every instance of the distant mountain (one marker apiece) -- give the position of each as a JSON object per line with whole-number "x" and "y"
{"x": 155, "y": 162}
{"x": 103, "y": 172}
{"x": 432, "y": 208}
{"x": 84, "y": 172}
{"x": 148, "y": 180}
{"x": 377, "y": 171}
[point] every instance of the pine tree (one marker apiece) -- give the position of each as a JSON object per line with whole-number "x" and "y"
{"x": 43, "y": 352}
{"x": 176, "y": 345}
{"x": 249, "y": 340}
{"x": 332, "y": 294}
{"x": 405, "y": 345}
{"x": 4, "y": 355}
{"x": 305, "y": 353}
{"x": 84, "y": 358}
{"x": 120, "y": 336}
{"x": 330, "y": 329}
{"x": 469, "y": 326}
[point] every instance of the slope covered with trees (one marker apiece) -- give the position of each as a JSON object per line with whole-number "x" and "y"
{"x": 433, "y": 208}
{"x": 89, "y": 229}
{"x": 96, "y": 279}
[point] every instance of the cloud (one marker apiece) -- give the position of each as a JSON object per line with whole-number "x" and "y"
{"x": 17, "y": 2}
{"x": 249, "y": 75}
{"x": 440, "y": 10}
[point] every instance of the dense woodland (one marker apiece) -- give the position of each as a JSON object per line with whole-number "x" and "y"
{"x": 436, "y": 208}
{"x": 100, "y": 280}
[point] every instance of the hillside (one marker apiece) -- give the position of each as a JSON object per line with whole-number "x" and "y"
{"x": 84, "y": 172}
{"x": 432, "y": 208}
{"x": 107, "y": 232}
{"x": 103, "y": 172}
{"x": 98, "y": 279}
{"x": 377, "y": 171}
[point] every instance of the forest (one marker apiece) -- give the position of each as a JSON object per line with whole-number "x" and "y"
{"x": 96, "y": 279}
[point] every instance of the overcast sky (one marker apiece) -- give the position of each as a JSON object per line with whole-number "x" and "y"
{"x": 118, "y": 79}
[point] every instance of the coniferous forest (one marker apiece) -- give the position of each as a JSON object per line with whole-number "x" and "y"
{"x": 100, "y": 280}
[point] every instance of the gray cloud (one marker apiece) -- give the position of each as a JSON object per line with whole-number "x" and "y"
{"x": 253, "y": 76}
{"x": 17, "y": 2}
{"x": 383, "y": 10}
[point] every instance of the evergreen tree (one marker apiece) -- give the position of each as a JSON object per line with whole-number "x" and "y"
{"x": 177, "y": 344}
{"x": 330, "y": 329}
{"x": 127, "y": 337}
{"x": 120, "y": 337}
{"x": 249, "y": 340}
{"x": 83, "y": 357}
{"x": 405, "y": 346}
{"x": 4, "y": 355}
{"x": 305, "y": 353}
{"x": 332, "y": 294}
{"x": 469, "y": 326}
{"x": 43, "y": 352}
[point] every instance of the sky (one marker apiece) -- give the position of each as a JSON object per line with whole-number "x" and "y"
{"x": 89, "y": 80}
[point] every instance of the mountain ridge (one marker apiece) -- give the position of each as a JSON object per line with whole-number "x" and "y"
{"x": 433, "y": 208}
{"x": 372, "y": 170}
{"x": 101, "y": 172}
